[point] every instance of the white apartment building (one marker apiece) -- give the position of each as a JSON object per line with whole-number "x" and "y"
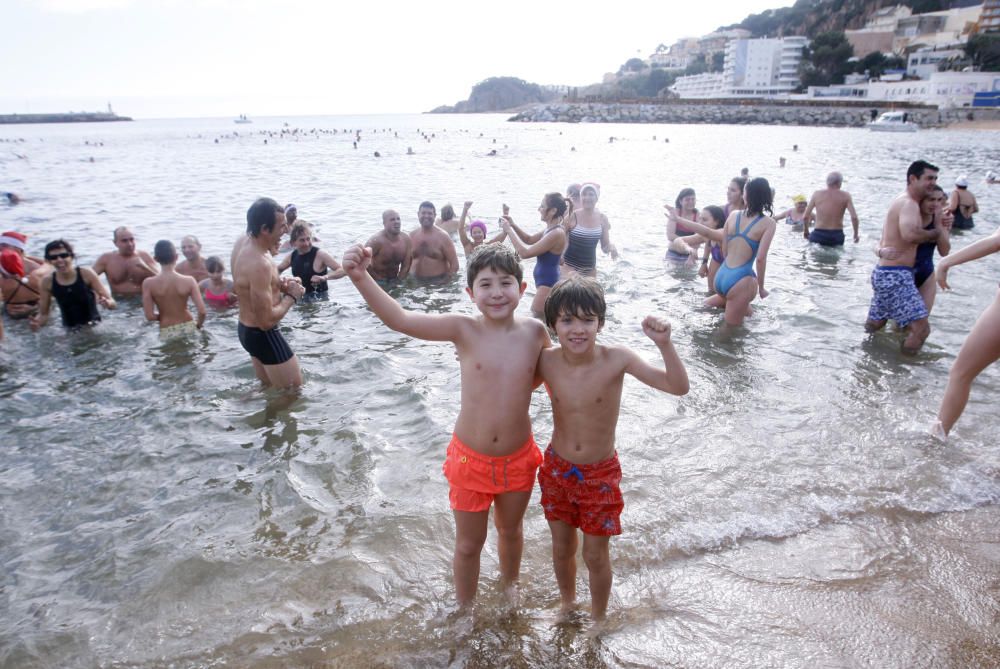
{"x": 754, "y": 68}
{"x": 925, "y": 62}
{"x": 943, "y": 89}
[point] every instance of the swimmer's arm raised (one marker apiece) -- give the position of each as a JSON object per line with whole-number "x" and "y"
{"x": 673, "y": 377}
{"x": 715, "y": 234}
{"x": 546, "y": 243}
{"x": 462, "y": 236}
{"x": 525, "y": 237}
{"x": 432, "y": 327}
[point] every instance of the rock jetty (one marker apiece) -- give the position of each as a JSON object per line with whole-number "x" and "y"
{"x": 742, "y": 112}
{"x": 68, "y": 117}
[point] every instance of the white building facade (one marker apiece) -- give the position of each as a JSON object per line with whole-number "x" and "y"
{"x": 754, "y": 68}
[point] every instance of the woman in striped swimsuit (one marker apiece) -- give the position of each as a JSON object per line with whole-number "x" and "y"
{"x": 586, "y": 228}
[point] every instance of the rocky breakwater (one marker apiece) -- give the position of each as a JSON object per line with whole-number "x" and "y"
{"x": 723, "y": 113}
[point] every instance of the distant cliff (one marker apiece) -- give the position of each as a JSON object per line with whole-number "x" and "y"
{"x": 499, "y": 94}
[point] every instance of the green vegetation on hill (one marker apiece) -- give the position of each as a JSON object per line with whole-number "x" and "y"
{"x": 812, "y": 17}
{"x": 500, "y": 94}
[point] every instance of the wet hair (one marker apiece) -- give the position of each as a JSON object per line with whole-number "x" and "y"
{"x": 683, "y": 194}
{"x": 917, "y": 169}
{"x": 495, "y": 256}
{"x": 426, "y": 204}
{"x": 562, "y": 205}
{"x": 260, "y": 216}
{"x": 164, "y": 252}
{"x": 717, "y": 213}
{"x": 759, "y": 197}
{"x": 58, "y": 244}
{"x": 447, "y": 212}
{"x": 577, "y": 296}
{"x": 214, "y": 264}
{"x": 741, "y": 182}
{"x": 300, "y": 229}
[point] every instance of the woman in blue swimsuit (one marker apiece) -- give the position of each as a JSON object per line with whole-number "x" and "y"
{"x": 747, "y": 238}
{"x": 547, "y": 248}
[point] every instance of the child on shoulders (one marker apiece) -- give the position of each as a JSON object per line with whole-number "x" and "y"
{"x": 580, "y": 474}
{"x": 492, "y": 457}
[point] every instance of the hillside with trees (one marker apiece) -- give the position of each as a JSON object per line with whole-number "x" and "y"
{"x": 500, "y": 94}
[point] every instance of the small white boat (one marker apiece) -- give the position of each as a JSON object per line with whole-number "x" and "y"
{"x": 242, "y": 119}
{"x": 893, "y": 122}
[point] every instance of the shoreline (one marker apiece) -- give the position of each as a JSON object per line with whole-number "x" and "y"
{"x": 982, "y": 124}
{"x": 65, "y": 117}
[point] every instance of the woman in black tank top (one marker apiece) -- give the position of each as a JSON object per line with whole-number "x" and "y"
{"x": 310, "y": 264}
{"x": 77, "y": 290}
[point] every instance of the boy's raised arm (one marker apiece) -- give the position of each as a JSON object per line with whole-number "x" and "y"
{"x": 433, "y": 327}
{"x": 673, "y": 378}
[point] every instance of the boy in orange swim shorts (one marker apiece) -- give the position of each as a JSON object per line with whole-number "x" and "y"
{"x": 580, "y": 474}
{"x": 492, "y": 457}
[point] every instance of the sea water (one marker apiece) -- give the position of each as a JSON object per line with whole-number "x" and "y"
{"x": 159, "y": 509}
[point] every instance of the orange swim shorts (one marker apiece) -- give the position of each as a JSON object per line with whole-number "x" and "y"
{"x": 476, "y": 478}
{"x": 584, "y": 496}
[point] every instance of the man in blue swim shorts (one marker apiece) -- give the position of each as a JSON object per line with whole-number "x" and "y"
{"x": 829, "y": 206}
{"x": 896, "y": 296}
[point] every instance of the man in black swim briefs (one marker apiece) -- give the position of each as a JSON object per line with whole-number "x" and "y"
{"x": 264, "y": 298}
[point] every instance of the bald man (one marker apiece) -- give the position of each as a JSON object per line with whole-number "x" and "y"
{"x": 126, "y": 267}
{"x": 392, "y": 249}
{"x": 193, "y": 264}
{"x": 828, "y": 207}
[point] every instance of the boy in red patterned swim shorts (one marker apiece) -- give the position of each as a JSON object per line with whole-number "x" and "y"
{"x": 580, "y": 473}
{"x": 492, "y": 457}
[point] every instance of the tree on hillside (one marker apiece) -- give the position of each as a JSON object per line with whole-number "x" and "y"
{"x": 632, "y": 65}
{"x": 877, "y": 63}
{"x": 984, "y": 50}
{"x": 826, "y": 60}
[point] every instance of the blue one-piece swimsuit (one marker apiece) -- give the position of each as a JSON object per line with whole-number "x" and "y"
{"x": 727, "y": 276}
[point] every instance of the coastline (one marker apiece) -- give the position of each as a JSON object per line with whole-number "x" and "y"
{"x": 983, "y": 124}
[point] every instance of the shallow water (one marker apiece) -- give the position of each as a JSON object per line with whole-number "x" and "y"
{"x": 157, "y": 508}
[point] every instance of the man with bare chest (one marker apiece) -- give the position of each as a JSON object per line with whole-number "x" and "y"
{"x": 828, "y": 206}
{"x": 126, "y": 268}
{"x": 392, "y": 249}
{"x": 434, "y": 254}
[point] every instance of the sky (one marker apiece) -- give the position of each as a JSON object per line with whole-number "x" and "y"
{"x": 191, "y": 58}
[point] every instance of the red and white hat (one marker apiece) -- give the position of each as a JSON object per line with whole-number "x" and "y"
{"x": 15, "y": 239}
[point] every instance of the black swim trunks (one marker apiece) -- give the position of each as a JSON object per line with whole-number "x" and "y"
{"x": 268, "y": 346}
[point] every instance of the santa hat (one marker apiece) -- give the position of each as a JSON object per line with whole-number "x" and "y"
{"x": 11, "y": 263}
{"x": 15, "y": 239}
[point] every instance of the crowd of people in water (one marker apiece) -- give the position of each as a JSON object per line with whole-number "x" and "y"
{"x": 492, "y": 459}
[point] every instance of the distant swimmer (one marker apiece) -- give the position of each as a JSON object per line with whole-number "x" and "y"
{"x": 20, "y": 279}
{"x": 410, "y": 151}
{"x": 434, "y": 254}
{"x": 12, "y": 198}
{"x": 126, "y": 267}
{"x": 193, "y": 264}
{"x": 829, "y": 206}
{"x": 264, "y": 299}
{"x": 895, "y": 293}
{"x": 963, "y": 204}
{"x": 992, "y": 178}
{"x": 77, "y": 290}
{"x": 165, "y": 296}
{"x": 796, "y": 216}
{"x": 392, "y": 249}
